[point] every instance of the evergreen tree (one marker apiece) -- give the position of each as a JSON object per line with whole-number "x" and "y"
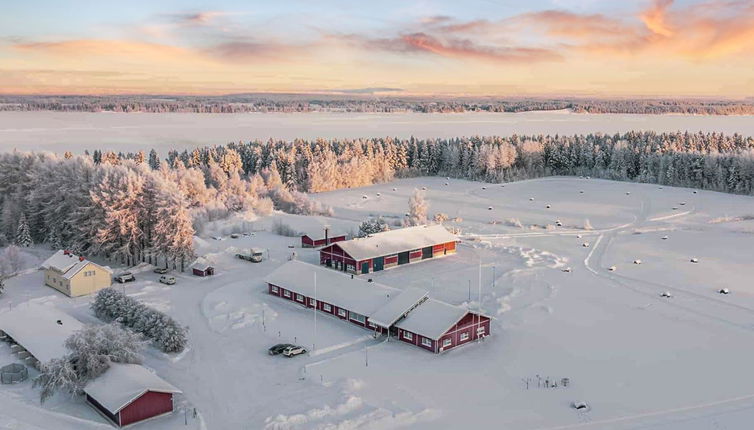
{"x": 23, "y": 237}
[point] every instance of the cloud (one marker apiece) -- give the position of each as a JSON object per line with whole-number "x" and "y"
{"x": 367, "y": 90}
{"x": 196, "y": 18}
{"x": 655, "y": 18}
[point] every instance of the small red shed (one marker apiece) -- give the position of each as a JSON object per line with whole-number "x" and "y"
{"x": 316, "y": 238}
{"x": 203, "y": 269}
{"x": 129, "y": 393}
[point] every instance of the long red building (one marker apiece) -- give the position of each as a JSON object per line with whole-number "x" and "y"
{"x": 389, "y": 249}
{"x": 408, "y": 315}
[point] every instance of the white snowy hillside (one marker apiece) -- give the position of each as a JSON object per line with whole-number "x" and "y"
{"x": 575, "y": 319}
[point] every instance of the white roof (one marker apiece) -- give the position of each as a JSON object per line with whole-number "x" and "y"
{"x": 35, "y": 327}
{"x": 357, "y": 294}
{"x": 68, "y": 264}
{"x": 202, "y": 264}
{"x": 395, "y": 241}
{"x": 124, "y": 383}
{"x": 432, "y": 318}
{"x": 396, "y": 308}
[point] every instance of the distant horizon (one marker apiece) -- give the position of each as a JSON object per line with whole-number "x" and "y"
{"x": 583, "y": 48}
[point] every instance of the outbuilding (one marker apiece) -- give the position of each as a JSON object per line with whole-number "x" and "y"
{"x": 380, "y": 251}
{"x": 75, "y": 276}
{"x": 438, "y": 326}
{"x": 129, "y": 393}
{"x": 314, "y": 238}
{"x": 202, "y": 268}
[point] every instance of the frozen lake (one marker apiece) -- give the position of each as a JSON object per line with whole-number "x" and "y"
{"x": 62, "y": 131}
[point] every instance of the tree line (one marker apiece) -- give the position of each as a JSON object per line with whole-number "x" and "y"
{"x": 242, "y": 103}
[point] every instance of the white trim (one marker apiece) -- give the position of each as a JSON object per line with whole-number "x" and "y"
{"x": 427, "y": 342}
{"x": 326, "y": 307}
{"x": 464, "y": 337}
{"x": 446, "y": 343}
{"x": 353, "y": 316}
{"x": 274, "y": 289}
{"x": 286, "y": 294}
{"x": 342, "y": 312}
{"x": 408, "y": 335}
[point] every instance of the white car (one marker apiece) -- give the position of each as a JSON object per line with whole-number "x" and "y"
{"x": 293, "y": 351}
{"x": 125, "y": 277}
{"x": 167, "y": 279}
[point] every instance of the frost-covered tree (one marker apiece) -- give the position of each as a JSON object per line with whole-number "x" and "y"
{"x": 371, "y": 226}
{"x": 417, "y": 209}
{"x": 10, "y": 262}
{"x": 23, "y": 235}
{"x": 92, "y": 349}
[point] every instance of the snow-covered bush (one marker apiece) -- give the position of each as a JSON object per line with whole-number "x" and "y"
{"x": 514, "y": 222}
{"x": 165, "y": 332}
{"x": 92, "y": 349}
{"x": 371, "y": 226}
{"x": 295, "y": 202}
{"x": 283, "y": 229}
{"x": 440, "y": 217}
{"x": 10, "y": 262}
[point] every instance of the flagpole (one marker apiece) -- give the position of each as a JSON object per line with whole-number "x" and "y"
{"x": 316, "y": 303}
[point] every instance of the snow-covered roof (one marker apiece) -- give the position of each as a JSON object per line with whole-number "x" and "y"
{"x": 68, "y": 264}
{"x": 432, "y": 318}
{"x": 40, "y": 329}
{"x": 396, "y": 308}
{"x": 357, "y": 294}
{"x": 202, "y": 264}
{"x": 395, "y": 241}
{"x": 124, "y": 383}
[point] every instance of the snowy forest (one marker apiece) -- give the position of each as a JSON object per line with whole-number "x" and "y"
{"x": 350, "y": 102}
{"x": 142, "y": 207}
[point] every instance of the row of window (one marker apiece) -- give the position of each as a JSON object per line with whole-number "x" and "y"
{"x": 325, "y": 307}
{"x": 445, "y": 343}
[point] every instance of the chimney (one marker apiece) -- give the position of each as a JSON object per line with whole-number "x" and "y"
{"x": 327, "y": 231}
{"x": 82, "y": 258}
{"x": 66, "y": 252}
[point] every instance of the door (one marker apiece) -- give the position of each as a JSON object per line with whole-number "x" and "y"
{"x": 426, "y": 252}
{"x": 365, "y": 267}
{"x": 403, "y": 258}
{"x": 379, "y": 263}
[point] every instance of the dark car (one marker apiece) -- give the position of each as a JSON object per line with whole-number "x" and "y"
{"x": 279, "y": 348}
{"x": 125, "y": 277}
{"x": 161, "y": 270}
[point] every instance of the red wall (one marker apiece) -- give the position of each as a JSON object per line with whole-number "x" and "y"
{"x": 468, "y": 325}
{"x": 149, "y": 405}
{"x": 308, "y": 241}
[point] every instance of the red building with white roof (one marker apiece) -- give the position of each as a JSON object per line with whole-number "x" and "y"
{"x": 408, "y": 314}
{"x": 388, "y": 249}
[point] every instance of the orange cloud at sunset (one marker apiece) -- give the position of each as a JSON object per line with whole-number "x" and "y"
{"x": 660, "y": 49}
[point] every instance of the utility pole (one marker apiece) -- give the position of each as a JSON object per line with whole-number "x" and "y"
{"x": 316, "y": 303}
{"x": 366, "y": 356}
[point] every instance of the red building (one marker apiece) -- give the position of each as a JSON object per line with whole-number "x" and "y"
{"x": 388, "y": 249}
{"x": 202, "y": 269}
{"x": 315, "y": 239}
{"x": 129, "y": 393}
{"x": 408, "y": 314}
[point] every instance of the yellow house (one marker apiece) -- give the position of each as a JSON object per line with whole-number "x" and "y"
{"x": 75, "y": 276}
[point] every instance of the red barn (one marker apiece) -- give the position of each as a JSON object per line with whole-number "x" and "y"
{"x": 388, "y": 249}
{"x": 409, "y": 314}
{"x": 202, "y": 269}
{"x": 325, "y": 236}
{"x": 129, "y": 393}
{"x": 438, "y": 326}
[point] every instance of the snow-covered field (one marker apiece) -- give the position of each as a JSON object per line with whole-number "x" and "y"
{"x": 77, "y": 131}
{"x": 638, "y": 359}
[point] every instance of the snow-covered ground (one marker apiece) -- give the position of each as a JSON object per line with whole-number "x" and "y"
{"x": 638, "y": 359}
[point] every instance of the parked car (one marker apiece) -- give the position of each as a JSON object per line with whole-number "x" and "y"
{"x": 293, "y": 351}
{"x": 125, "y": 277}
{"x": 255, "y": 255}
{"x": 235, "y": 236}
{"x": 218, "y": 238}
{"x": 166, "y": 279}
{"x": 279, "y": 348}
{"x": 161, "y": 270}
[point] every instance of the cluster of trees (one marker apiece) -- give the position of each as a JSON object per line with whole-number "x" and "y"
{"x": 164, "y": 331}
{"x": 372, "y": 226}
{"x": 132, "y": 207}
{"x": 92, "y": 350}
{"x": 238, "y": 103}
{"x": 713, "y": 161}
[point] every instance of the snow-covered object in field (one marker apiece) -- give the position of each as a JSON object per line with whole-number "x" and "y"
{"x": 130, "y": 393}
{"x": 637, "y": 261}
{"x": 665, "y": 238}
{"x": 666, "y": 294}
{"x": 567, "y": 269}
{"x": 694, "y": 260}
{"x": 399, "y": 306}
{"x": 580, "y": 406}
{"x": 531, "y": 199}
{"x": 548, "y": 206}
{"x": 391, "y": 248}
{"x": 724, "y": 291}
{"x": 75, "y": 276}
{"x": 612, "y": 268}
{"x": 41, "y": 330}
{"x": 337, "y": 289}
{"x": 585, "y": 244}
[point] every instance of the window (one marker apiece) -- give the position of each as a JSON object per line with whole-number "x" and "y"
{"x": 358, "y": 318}
{"x": 446, "y": 343}
{"x": 341, "y": 312}
{"x": 274, "y": 289}
{"x": 464, "y": 336}
{"x": 286, "y": 293}
{"x": 327, "y": 307}
{"x": 480, "y": 331}
{"x": 312, "y": 302}
{"x": 427, "y": 342}
{"x": 408, "y": 336}
{"x": 370, "y": 325}
{"x": 299, "y": 298}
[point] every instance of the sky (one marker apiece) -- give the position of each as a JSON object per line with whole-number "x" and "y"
{"x": 404, "y": 47}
